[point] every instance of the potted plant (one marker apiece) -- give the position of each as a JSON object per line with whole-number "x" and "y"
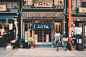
{"x": 21, "y": 43}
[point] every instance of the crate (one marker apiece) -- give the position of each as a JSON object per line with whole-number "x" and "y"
{"x": 73, "y": 47}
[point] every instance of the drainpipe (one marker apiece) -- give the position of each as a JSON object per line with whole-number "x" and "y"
{"x": 69, "y": 21}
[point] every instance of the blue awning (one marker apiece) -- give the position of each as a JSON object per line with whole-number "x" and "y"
{"x": 7, "y": 16}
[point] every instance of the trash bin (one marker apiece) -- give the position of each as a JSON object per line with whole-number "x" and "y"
{"x": 79, "y": 43}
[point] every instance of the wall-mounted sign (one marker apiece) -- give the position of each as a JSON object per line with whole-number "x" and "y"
{"x": 3, "y": 8}
{"x": 46, "y": 26}
{"x": 42, "y": 14}
{"x": 43, "y": 4}
{"x": 82, "y": 9}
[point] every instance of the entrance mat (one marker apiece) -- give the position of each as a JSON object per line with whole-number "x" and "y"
{"x": 43, "y": 52}
{"x": 43, "y": 46}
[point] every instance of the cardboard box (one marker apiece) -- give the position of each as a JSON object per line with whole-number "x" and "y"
{"x": 9, "y": 47}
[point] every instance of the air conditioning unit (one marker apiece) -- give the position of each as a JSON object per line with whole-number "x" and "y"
{"x": 82, "y": 9}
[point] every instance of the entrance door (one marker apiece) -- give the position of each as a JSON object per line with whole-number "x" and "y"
{"x": 58, "y": 27}
{"x": 41, "y": 37}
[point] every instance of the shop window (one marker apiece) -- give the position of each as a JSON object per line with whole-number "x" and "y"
{"x": 0, "y": 25}
{"x": 59, "y": 28}
{"x": 6, "y": 26}
{"x": 15, "y": 4}
{"x": 3, "y": 20}
{"x": 9, "y": 5}
{"x": 83, "y": 4}
{"x": 10, "y": 20}
{"x": 25, "y": 27}
{"x": 76, "y": 24}
{"x": 44, "y": 39}
{"x": 3, "y": 3}
{"x": 59, "y": 2}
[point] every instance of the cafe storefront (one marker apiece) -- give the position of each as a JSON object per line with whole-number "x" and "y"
{"x": 41, "y": 28}
{"x": 41, "y": 19}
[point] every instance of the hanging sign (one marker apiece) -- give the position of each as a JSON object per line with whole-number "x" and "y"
{"x": 28, "y": 35}
{"x": 47, "y": 38}
{"x": 35, "y": 37}
{"x": 3, "y": 8}
{"x": 46, "y": 26}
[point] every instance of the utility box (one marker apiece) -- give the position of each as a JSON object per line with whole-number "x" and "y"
{"x": 79, "y": 43}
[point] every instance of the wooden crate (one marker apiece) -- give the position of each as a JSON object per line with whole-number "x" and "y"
{"x": 73, "y": 47}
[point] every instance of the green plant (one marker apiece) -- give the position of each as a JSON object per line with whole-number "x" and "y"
{"x": 21, "y": 42}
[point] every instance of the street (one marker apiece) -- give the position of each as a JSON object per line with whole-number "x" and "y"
{"x": 41, "y": 52}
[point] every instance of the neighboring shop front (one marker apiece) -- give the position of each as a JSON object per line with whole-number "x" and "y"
{"x": 79, "y": 23}
{"x": 8, "y": 22}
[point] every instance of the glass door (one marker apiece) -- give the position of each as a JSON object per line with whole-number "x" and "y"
{"x": 41, "y": 36}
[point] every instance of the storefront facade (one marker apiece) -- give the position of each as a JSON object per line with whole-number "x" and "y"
{"x": 8, "y": 21}
{"x": 42, "y": 21}
{"x": 78, "y": 19}
{"x": 80, "y": 22}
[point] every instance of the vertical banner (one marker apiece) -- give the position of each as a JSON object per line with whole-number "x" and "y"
{"x": 25, "y": 37}
{"x": 28, "y": 34}
{"x": 47, "y": 38}
{"x": 35, "y": 37}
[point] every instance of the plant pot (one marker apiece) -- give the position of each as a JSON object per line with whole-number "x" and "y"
{"x": 21, "y": 46}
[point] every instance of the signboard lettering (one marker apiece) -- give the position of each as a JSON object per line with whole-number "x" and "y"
{"x": 43, "y": 4}
{"x": 46, "y": 26}
{"x": 43, "y": 26}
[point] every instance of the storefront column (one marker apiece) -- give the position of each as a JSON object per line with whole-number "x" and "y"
{"x": 21, "y": 28}
{"x": 64, "y": 25}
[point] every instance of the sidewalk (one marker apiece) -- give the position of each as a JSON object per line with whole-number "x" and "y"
{"x": 41, "y": 52}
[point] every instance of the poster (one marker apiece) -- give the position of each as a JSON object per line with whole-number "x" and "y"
{"x": 35, "y": 37}
{"x": 10, "y": 26}
{"x": 47, "y": 38}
